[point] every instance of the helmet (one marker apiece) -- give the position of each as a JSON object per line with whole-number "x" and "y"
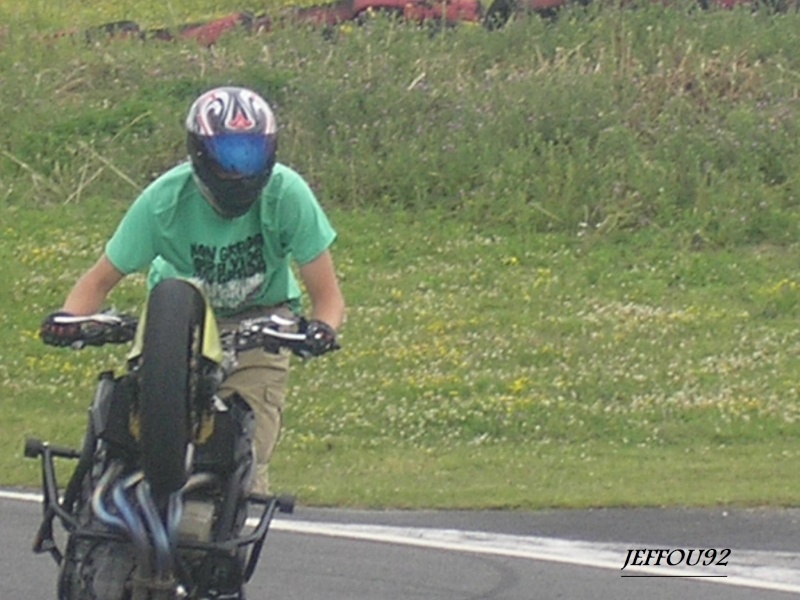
{"x": 231, "y": 141}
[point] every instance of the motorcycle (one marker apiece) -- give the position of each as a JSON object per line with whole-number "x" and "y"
{"x": 159, "y": 505}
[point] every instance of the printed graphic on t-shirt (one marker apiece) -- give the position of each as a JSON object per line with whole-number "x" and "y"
{"x": 232, "y": 274}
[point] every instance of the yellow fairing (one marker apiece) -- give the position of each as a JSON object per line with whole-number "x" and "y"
{"x": 211, "y": 345}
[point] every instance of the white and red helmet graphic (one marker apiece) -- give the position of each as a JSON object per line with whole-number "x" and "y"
{"x": 230, "y": 110}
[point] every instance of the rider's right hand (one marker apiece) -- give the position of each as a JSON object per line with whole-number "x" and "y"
{"x": 59, "y": 334}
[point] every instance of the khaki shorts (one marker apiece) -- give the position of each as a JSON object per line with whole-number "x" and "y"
{"x": 261, "y": 378}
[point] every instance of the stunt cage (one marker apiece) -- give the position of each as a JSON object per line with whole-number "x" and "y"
{"x": 56, "y": 506}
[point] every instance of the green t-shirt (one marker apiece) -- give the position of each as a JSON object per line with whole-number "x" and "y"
{"x": 240, "y": 263}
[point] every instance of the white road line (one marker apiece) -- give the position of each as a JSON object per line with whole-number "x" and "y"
{"x": 777, "y": 571}
{"x": 764, "y": 570}
{"x": 20, "y": 496}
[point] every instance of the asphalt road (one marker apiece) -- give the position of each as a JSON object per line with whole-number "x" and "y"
{"x": 354, "y": 555}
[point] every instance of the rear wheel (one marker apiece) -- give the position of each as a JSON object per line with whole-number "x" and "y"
{"x": 168, "y": 375}
{"x": 94, "y": 570}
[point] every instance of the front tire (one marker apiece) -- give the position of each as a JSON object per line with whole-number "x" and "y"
{"x": 168, "y": 374}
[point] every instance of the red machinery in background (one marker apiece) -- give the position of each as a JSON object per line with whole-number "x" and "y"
{"x": 447, "y": 12}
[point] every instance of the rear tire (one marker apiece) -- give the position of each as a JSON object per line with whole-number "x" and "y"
{"x": 96, "y": 570}
{"x": 168, "y": 374}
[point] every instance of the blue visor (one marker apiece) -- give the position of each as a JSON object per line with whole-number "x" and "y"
{"x": 240, "y": 154}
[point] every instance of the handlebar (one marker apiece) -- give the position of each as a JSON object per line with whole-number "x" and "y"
{"x": 270, "y": 333}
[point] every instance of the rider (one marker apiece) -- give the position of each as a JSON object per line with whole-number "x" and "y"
{"x": 232, "y": 220}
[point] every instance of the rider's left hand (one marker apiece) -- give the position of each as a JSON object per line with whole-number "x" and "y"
{"x": 320, "y": 339}
{"x": 58, "y": 334}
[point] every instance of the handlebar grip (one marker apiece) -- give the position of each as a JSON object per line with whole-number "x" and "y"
{"x": 35, "y": 447}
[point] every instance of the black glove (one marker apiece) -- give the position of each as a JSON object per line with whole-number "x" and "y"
{"x": 320, "y": 338}
{"x": 59, "y": 334}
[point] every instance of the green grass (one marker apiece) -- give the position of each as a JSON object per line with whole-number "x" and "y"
{"x": 569, "y": 249}
{"x": 544, "y": 476}
{"x": 492, "y": 373}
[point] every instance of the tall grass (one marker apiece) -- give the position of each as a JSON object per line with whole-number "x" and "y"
{"x": 601, "y": 120}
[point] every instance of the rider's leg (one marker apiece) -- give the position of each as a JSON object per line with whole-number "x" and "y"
{"x": 261, "y": 379}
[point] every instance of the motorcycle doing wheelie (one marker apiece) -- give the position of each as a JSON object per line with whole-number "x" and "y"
{"x": 160, "y": 448}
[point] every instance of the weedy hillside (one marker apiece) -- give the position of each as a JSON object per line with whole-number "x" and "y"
{"x": 568, "y": 245}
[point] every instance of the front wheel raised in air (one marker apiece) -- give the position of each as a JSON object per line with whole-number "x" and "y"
{"x": 168, "y": 370}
